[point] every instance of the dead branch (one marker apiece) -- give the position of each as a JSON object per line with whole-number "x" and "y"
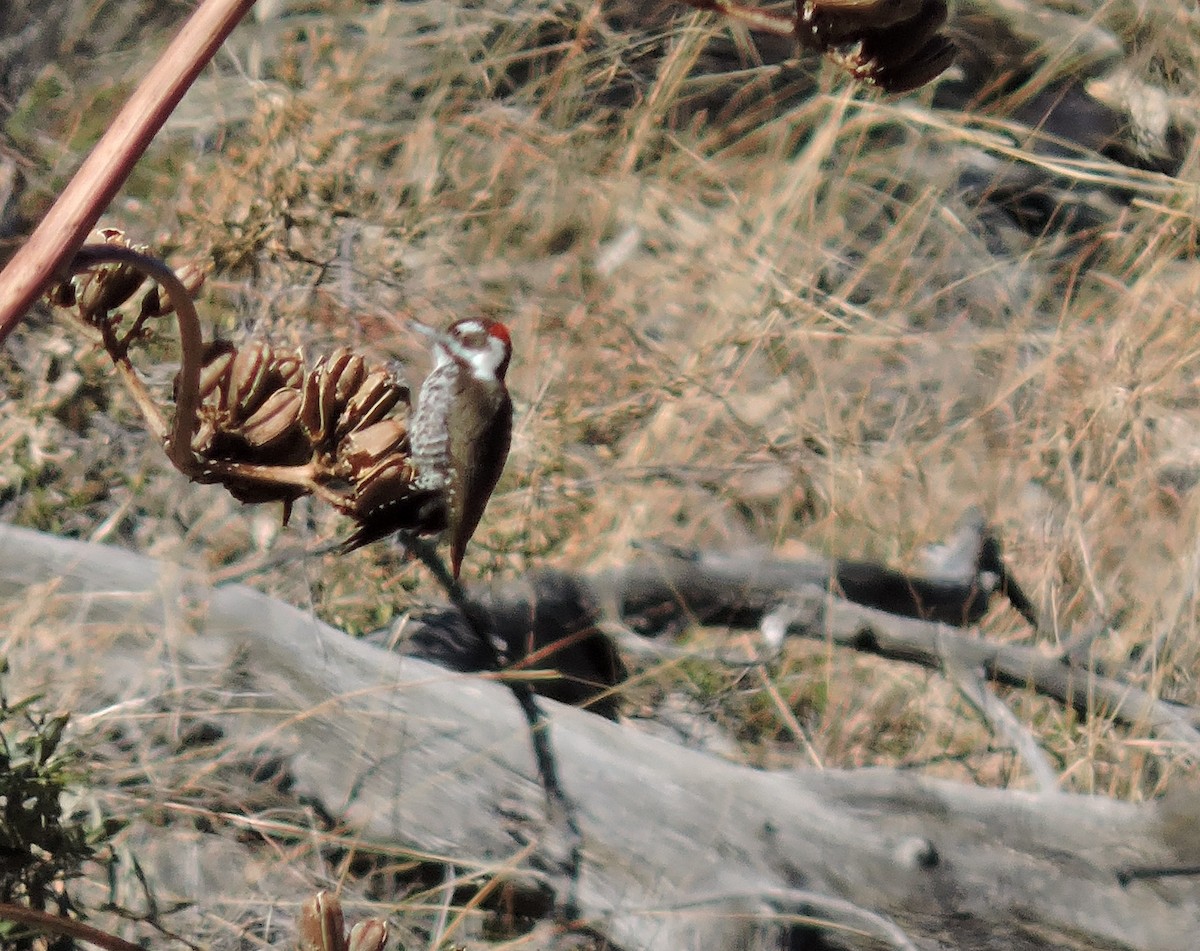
{"x": 876, "y": 610}
{"x": 47, "y": 923}
{"x": 738, "y": 589}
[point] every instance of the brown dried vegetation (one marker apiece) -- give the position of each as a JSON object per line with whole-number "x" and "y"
{"x": 753, "y": 307}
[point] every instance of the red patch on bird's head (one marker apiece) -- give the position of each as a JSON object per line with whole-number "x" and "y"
{"x": 499, "y": 331}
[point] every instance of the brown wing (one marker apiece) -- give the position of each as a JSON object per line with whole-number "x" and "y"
{"x": 478, "y": 453}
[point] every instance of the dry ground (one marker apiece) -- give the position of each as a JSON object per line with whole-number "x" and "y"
{"x": 739, "y": 320}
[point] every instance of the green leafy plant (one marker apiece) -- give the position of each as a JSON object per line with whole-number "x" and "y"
{"x": 40, "y": 847}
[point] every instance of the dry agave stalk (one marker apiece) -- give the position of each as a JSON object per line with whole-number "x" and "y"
{"x": 99, "y": 292}
{"x": 271, "y": 427}
{"x": 892, "y": 44}
{"x": 265, "y": 422}
{"x": 99, "y": 295}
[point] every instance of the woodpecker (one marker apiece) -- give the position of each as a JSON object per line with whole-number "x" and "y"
{"x": 461, "y": 429}
{"x": 459, "y": 440}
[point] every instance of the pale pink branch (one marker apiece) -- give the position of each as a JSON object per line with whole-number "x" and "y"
{"x": 68, "y": 222}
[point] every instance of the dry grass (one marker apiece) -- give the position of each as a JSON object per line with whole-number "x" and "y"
{"x": 788, "y": 326}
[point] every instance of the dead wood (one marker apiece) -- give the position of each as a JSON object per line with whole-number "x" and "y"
{"x": 880, "y": 611}
{"x": 552, "y": 620}
{"x": 680, "y": 849}
{"x": 747, "y": 590}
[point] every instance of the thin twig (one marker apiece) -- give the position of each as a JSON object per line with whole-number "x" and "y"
{"x": 561, "y": 807}
{"x": 1002, "y": 721}
{"x": 301, "y": 476}
{"x": 1135, "y": 873}
{"x": 438, "y": 933}
{"x": 47, "y": 923}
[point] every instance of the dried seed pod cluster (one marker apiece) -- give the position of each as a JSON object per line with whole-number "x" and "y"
{"x": 322, "y": 927}
{"x": 101, "y": 290}
{"x": 263, "y": 408}
{"x": 249, "y": 413}
{"x": 99, "y": 294}
{"x": 270, "y": 427}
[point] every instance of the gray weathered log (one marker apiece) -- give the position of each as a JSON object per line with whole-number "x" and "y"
{"x": 410, "y": 755}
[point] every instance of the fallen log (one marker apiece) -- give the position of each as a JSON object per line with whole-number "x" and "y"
{"x": 681, "y": 849}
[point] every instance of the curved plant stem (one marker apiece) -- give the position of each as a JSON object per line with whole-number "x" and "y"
{"x": 102, "y": 173}
{"x": 191, "y": 343}
{"x": 47, "y": 923}
{"x": 177, "y": 438}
